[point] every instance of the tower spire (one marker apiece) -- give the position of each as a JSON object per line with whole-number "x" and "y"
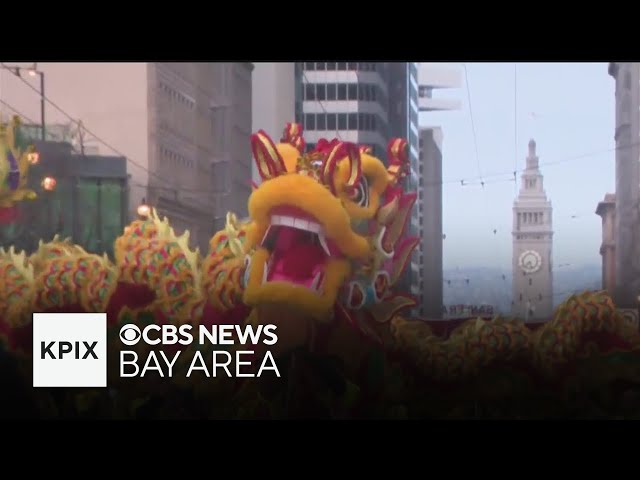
{"x": 532, "y": 158}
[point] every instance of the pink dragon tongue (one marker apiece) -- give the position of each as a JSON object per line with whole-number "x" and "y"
{"x": 301, "y": 260}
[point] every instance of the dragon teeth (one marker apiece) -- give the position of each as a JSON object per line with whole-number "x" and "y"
{"x": 323, "y": 243}
{"x": 316, "y": 281}
{"x": 266, "y": 235}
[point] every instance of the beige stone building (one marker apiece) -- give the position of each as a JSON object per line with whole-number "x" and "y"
{"x": 627, "y": 194}
{"x": 532, "y": 238}
{"x": 184, "y": 128}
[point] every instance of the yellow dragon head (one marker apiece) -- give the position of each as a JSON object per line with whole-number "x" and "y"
{"x": 327, "y": 231}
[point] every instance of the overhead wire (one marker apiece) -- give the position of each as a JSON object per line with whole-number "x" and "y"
{"x": 473, "y": 180}
{"x": 468, "y": 181}
{"x": 475, "y": 145}
{"x": 480, "y": 179}
{"x": 16, "y": 111}
{"x": 515, "y": 126}
{"x": 84, "y": 128}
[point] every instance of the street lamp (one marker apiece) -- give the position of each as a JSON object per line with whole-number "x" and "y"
{"x": 33, "y": 72}
{"x": 144, "y": 210}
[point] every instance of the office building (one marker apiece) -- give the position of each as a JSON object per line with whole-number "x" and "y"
{"x": 428, "y": 215}
{"x": 627, "y": 194}
{"x": 607, "y": 210}
{"x": 345, "y": 100}
{"x": 427, "y": 261}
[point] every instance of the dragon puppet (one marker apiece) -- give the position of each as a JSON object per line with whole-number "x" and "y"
{"x": 320, "y": 256}
{"x": 16, "y": 156}
{"x": 323, "y": 247}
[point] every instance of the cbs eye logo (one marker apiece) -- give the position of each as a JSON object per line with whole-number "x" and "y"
{"x": 130, "y": 334}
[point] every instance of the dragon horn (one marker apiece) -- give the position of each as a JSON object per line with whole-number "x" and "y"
{"x": 293, "y": 135}
{"x": 398, "y": 161}
{"x": 338, "y": 152}
{"x": 266, "y": 156}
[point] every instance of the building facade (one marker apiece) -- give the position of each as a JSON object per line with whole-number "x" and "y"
{"x": 426, "y": 173}
{"x": 183, "y": 127}
{"x": 89, "y": 204}
{"x": 627, "y": 195}
{"x": 346, "y": 100}
{"x": 429, "y": 215}
{"x": 403, "y": 121}
{"x": 532, "y": 245}
{"x": 607, "y": 210}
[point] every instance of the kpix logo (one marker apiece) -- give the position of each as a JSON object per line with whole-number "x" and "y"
{"x": 69, "y": 349}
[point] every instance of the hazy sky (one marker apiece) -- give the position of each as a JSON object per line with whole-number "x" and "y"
{"x": 569, "y": 109}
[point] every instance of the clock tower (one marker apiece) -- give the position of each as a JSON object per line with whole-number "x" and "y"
{"x": 532, "y": 242}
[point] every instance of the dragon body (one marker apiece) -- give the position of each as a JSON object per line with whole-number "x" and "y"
{"x": 320, "y": 256}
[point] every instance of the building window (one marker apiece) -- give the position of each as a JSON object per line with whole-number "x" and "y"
{"x": 425, "y": 92}
{"x": 342, "y": 91}
{"x": 366, "y": 124}
{"x": 310, "y": 121}
{"x": 331, "y": 66}
{"x": 373, "y": 122}
{"x": 363, "y": 66}
{"x": 353, "y": 66}
{"x": 321, "y": 121}
{"x": 321, "y": 92}
{"x": 627, "y": 80}
{"x": 331, "y": 91}
{"x": 310, "y": 91}
{"x": 342, "y": 121}
{"x": 342, "y": 66}
{"x": 321, "y": 66}
{"x": 352, "y": 91}
{"x": 360, "y": 121}
{"x": 421, "y": 142}
{"x": 374, "y": 93}
{"x": 309, "y": 66}
{"x": 352, "y": 122}
{"x": 331, "y": 121}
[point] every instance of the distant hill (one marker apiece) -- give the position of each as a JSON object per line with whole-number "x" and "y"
{"x": 492, "y": 286}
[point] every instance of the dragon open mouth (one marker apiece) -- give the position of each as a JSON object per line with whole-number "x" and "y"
{"x": 299, "y": 249}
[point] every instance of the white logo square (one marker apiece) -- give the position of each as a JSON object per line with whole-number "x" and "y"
{"x": 69, "y": 349}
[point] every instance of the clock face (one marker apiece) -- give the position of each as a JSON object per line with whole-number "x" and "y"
{"x": 530, "y": 261}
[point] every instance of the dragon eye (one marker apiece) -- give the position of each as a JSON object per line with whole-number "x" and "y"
{"x": 361, "y": 194}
